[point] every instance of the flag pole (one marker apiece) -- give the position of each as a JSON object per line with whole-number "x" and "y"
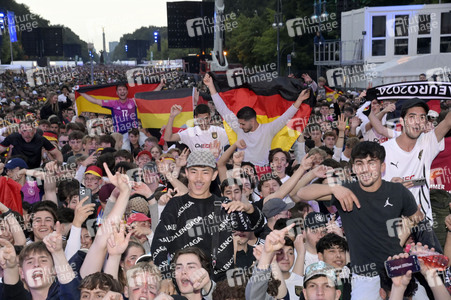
{"x": 11, "y": 47}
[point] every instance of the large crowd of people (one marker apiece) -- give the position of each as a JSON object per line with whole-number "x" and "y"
{"x": 91, "y": 209}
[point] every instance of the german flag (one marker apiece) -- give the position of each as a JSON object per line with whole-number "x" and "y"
{"x": 270, "y": 99}
{"x": 105, "y": 92}
{"x": 155, "y": 107}
{"x": 330, "y": 93}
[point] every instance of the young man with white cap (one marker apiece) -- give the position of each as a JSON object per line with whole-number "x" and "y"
{"x": 201, "y": 219}
{"x": 320, "y": 282}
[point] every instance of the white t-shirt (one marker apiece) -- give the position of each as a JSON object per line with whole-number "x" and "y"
{"x": 344, "y": 158}
{"x": 310, "y": 259}
{"x": 258, "y": 142}
{"x": 287, "y": 198}
{"x": 294, "y": 280}
{"x": 198, "y": 139}
{"x": 415, "y": 164}
{"x": 372, "y": 136}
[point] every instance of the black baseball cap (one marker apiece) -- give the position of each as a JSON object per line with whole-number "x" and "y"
{"x": 415, "y": 102}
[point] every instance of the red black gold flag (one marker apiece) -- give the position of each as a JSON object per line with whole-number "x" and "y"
{"x": 270, "y": 99}
{"x": 105, "y": 92}
{"x": 155, "y": 107}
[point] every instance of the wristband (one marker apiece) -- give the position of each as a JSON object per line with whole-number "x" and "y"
{"x": 5, "y": 214}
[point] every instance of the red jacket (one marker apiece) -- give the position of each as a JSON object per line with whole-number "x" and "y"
{"x": 10, "y": 194}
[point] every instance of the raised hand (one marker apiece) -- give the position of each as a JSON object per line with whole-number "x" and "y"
{"x": 355, "y": 122}
{"x": 208, "y": 81}
{"x": 215, "y": 148}
{"x": 304, "y": 95}
{"x": 7, "y": 255}
{"x": 118, "y": 241}
{"x": 258, "y": 251}
{"x": 299, "y": 244}
{"x": 276, "y": 239}
{"x": 241, "y": 144}
{"x": 141, "y": 188}
{"x": 332, "y": 227}
{"x": 320, "y": 171}
{"x": 306, "y": 78}
{"x": 238, "y": 206}
{"x": 238, "y": 158}
{"x": 175, "y": 110}
{"x": 54, "y": 241}
{"x": 341, "y": 123}
{"x": 182, "y": 159}
{"x": 200, "y": 279}
{"x": 391, "y": 107}
{"x": 91, "y": 159}
{"x": 140, "y": 230}
{"x": 307, "y": 162}
{"x": 119, "y": 180}
{"x": 82, "y": 212}
{"x": 401, "y": 281}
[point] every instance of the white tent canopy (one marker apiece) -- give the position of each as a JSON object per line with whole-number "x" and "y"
{"x": 410, "y": 67}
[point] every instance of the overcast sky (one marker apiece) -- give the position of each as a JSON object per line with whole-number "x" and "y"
{"x": 87, "y": 17}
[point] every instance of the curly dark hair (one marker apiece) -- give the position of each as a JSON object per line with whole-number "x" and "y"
{"x": 224, "y": 291}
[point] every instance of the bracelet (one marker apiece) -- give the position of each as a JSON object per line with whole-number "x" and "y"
{"x": 7, "y": 213}
{"x": 341, "y": 137}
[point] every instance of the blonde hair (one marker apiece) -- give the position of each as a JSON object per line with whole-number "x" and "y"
{"x": 55, "y": 107}
{"x": 145, "y": 267}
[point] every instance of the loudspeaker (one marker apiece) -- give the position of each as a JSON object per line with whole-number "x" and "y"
{"x": 43, "y": 42}
{"x": 190, "y": 24}
{"x": 52, "y": 41}
{"x": 43, "y": 62}
{"x": 30, "y": 42}
{"x": 71, "y": 50}
{"x": 137, "y": 48}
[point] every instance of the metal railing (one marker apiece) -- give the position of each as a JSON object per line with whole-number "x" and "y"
{"x": 336, "y": 52}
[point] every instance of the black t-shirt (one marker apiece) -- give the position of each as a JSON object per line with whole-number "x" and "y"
{"x": 187, "y": 221}
{"x": 371, "y": 230}
{"x": 32, "y": 150}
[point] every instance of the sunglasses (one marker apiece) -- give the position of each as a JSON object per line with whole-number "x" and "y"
{"x": 64, "y": 142}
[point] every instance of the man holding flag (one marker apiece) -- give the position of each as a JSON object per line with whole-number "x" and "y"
{"x": 123, "y": 110}
{"x": 202, "y": 136}
{"x": 258, "y": 137}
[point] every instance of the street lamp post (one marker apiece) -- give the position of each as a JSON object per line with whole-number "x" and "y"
{"x": 278, "y": 23}
{"x": 319, "y": 11}
{"x": 289, "y": 56}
